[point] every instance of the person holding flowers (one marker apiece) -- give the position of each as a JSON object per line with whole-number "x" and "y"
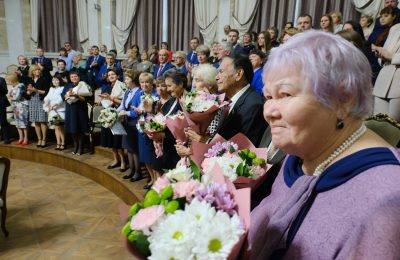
{"x": 130, "y": 118}
{"x": 76, "y": 112}
{"x": 111, "y": 96}
{"x": 19, "y": 106}
{"x": 337, "y": 194}
{"x": 55, "y": 107}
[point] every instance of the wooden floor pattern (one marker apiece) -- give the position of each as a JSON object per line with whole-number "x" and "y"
{"x": 57, "y": 214}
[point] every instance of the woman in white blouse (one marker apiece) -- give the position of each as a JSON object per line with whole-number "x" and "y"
{"x": 55, "y": 107}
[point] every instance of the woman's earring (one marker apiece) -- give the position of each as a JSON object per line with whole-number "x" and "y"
{"x": 339, "y": 124}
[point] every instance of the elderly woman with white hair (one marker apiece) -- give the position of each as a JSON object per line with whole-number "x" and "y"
{"x": 203, "y": 79}
{"x": 337, "y": 193}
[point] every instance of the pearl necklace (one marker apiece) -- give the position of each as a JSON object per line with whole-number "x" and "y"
{"x": 346, "y": 144}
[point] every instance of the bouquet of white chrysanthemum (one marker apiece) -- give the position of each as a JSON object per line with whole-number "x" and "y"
{"x": 199, "y": 101}
{"x": 108, "y": 117}
{"x": 154, "y": 123}
{"x": 189, "y": 220}
{"x": 148, "y": 100}
{"x": 54, "y": 118}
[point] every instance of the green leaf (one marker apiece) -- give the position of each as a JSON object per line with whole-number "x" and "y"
{"x": 142, "y": 244}
{"x": 195, "y": 169}
{"x": 239, "y": 169}
{"x": 126, "y": 230}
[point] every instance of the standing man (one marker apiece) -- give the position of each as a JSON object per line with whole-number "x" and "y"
{"x": 4, "y": 103}
{"x": 45, "y": 62}
{"x": 304, "y": 22}
{"x": 164, "y": 65}
{"x": 70, "y": 51}
{"x": 233, "y": 38}
{"x": 192, "y": 56}
{"x": 93, "y": 65}
{"x": 246, "y": 108}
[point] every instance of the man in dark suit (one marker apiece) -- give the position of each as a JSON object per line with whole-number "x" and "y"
{"x": 110, "y": 63}
{"x": 46, "y": 62}
{"x": 192, "y": 56}
{"x": 246, "y": 108}
{"x": 164, "y": 65}
{"x": 93, "y": 65}
{"x": 5, "y": 126}
{"x": 233, "y": 38}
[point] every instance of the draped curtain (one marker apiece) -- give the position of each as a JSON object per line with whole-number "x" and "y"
{"x": 273, "y": 13}
{"x": 147, "y": 25}
{"x": 82, "y": 20}
{"x": 125, "y": 11}
{"x": 368, "y": 7}
{"x": 243, "y": 14}
{"x": 207, "y": 18}
{"x": 182, "y": 25}
{"x": 317, "y": 8}
{"x": 57, "y": 24}
{"x": 34, "y": 23}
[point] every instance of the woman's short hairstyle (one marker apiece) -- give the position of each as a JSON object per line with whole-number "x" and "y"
{"x": 338, "y": 15}
{"x": 204, "y": 50}
{"x": 207, "y": 73}
{"x": 160, "y": 81}
{"x": 62, "y": 61}
{"x": 177, "y": 76}
{"x": 78, "y": 53}
{"x": 146, "y": 76}
{"x": 352, "y": 36}
{"x": 12, "y": 78}
{"x": 356, "y": 27}
{"x": 59, "y": 78}
{"x": 369, "y": 18}
{"x": 134, "y": 75}
{"x": 33, "y": 68}
{"x": 388, "y": 10}
{"x": 25, "y": 58}
{"x": 332, "y": 69}
{"x": 181, "y": 54}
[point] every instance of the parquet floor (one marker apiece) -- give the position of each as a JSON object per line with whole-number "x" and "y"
{"x": 56, "y": 214}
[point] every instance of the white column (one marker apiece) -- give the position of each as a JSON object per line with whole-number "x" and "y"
{"x": 15, "y": 36}
{"x": 224, "y": 17}
{"x": 106, "y": 34}
{"x": 165, "y": 21}
{"x": 296, "y": 12}
{"x": 93, "y": 15}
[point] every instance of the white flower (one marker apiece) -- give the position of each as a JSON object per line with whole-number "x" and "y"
{"x": 202, "y": 211}
{"x": 180, "y": 173}
{"x": 174, "y": 236}
{"x": 216, "y": 240}
{"x": 228, "y": 165}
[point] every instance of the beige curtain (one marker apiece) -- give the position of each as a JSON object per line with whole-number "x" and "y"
{"x": 34, "y": 23}
{"x": 125, "y": 11}
{"x": 243, "y": 14}
{"x": 82, "y": 20}
{"x": 273, "y": 13}
{"x": 147, "y": 25}
{"x": 182, "y": 25}
{"x": 368, "y": 7}
{"x": 207, "y": 18}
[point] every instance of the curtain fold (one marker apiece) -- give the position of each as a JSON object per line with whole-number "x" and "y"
{"x": 273, "y": 13}
{"x": 57, "y": 24}
{"x": 147, "y": 25}
{"x": 82, "y": 20}
{"x": 317, "y": 8}
{"x": 243, "y": 14}
{"x": 125, "y": 11}
{"x": 206, "y": 12}
{"x": 368, "y": 7}
{"x": 182, "y": 24}
{"x": 34, "y": 23}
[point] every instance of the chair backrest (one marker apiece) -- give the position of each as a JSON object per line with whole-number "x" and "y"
{"x": 4, "y": 173}
{"x": 386, "y": 127}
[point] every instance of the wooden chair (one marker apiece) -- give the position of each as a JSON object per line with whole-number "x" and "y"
{"x": 4, "y": 172}
{"x": 386, "y": 127}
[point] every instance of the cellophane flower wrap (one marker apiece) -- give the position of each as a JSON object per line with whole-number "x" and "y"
{"x": 154, "y": 124}
{"x": 240, "y": 161}
{"x": 176, "y": 124}
{"x": 200, "y": 108}
{"x": 108, "y": 117}
{"x": 183, "y": 218}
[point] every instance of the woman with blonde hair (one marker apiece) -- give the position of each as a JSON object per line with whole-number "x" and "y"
{"x": 326, "y": 23}
{"x": 337, "y": 21}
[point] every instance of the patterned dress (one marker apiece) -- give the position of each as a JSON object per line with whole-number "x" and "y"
{"x": 19, "y": 106}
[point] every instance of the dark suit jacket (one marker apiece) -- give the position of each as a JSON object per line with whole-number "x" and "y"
{"x": 246, "y": 117}
{"x": 94, "y": 70}
{"x": 238, "y": 50}
{"x": 166, "y": 67}
{"x": 103, "y": 70}
{"x": 48, "y": 65}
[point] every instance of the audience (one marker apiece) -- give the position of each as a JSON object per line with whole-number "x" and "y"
{"x": 304, "y": 22}
{"x": 192, "y": 55}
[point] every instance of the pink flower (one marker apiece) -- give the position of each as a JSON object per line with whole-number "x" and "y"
{"x": 186, "y": 189}
{"x": 160, "y": 184}
{"x": 145, "y": 218}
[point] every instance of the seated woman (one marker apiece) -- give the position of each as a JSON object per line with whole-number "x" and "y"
{"x": 326, "y": 23}
{"x": 76, "y": 113}
{"x": 54, "y": 102}
{"x": 337, "y": 195}
{"x": 145, "y": 65}
{"x": 113, "y": 92}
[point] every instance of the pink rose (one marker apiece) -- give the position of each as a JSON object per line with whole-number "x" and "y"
{"x": 185, "y": 189}
{"x": 160, "y": 184}
{"x": 145, "y": 218}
